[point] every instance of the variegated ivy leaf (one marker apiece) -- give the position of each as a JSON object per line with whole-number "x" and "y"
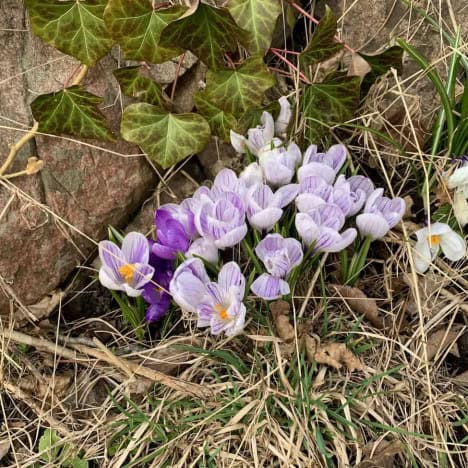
{"x": 259, "y": 18}
{"x": 208, "y": 32}
{"x": 74, "y": 27}
{"x": 137, "y": 27}
{"x": 134, "y": 84}
{"x": 329, "y": 103}
{"x": 71, "y": 111}
{"x": 322, "y": 44}
{"x": 165, "y": 137}
{"x": 221, "y": 122}
{"x": 236, "y": 91}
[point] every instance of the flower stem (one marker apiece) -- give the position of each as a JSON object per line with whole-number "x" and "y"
{"x": 357, "y": 262}
{"x": 251, "y": 255}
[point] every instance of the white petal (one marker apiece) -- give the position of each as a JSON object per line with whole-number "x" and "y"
{"x": 459, "y": 177}
{"x": 282, "y": 122}
{"x": 460, "y": 208}
{"x": 453, "y": 246}
{"x": 238, "y": 142}
{"x": 108, "y": 282}
{"x": 422, "y": 256}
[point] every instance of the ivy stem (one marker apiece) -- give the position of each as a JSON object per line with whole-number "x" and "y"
{"x": 316, "y": 21}
{"x": 290, "y": 64}
{"x": 15, "y": 147}
{"x": 174, "y": 85}
{"x": 80, "y": 76}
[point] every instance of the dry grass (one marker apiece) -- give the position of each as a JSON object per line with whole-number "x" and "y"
{"x": 266, "y": 404}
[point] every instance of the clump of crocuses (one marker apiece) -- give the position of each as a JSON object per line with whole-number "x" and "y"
{"x": 284, "y": 209}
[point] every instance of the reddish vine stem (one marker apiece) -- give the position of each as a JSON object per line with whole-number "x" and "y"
{"x": 285, "y": 51}
{"x": 315, "y": 20}
{"x": 174, "y": 85}
{"x": 291, "y": 65}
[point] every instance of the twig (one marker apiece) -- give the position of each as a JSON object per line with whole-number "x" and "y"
{"x": 290, "y": 64}
{"x": 123, "y": 364}
{"x": 174, "y": 85}
{"x": 80, "y": 76}
{"x": 15, "y": 147}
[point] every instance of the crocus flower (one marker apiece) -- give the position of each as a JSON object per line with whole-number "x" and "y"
{"x": 251, "y": 175}
{"x": 171, "y": 235}
{"x": 204, "y": 248}
{"x": 325, "y": 165}
{"x": 222, "y": 220}
{"x": 320, "y": 227}
{"x": 380, "y": 215}
{"x": 279, "y": 164}
{"x": 439, "y": 236}
{"x": 223, "y": 310}
{"x": 259, "y": 139}
{"x": 126, "y": 269}
{"x": 280, "y": 256}
{"x": 264, "y": 208}
{"x": 155, "y": 293}
{"x": 358, "y": 187}
{"x": 188, "y": 284}
{"x": 282, "y": 122}
{"x": 459, "y": 181}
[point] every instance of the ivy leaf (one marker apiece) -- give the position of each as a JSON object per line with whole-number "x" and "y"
{"x": 134, "y": 84}
{"x": 165, "y": 137}
{"x": 236, "y": 91}
{"x": 137, "y": 27}
{"x": 329, "y": 103}
{"x": 48, "y": 443}
{"x": 322, "y": 44}
{"x": 75, "y": 28}
{"x": 380, "y": 64}
{"x": 71, "y": 111}
{"x": 208, "y": 32}
{"x": 259, "y": 18}
{"x": 221, "y": 122}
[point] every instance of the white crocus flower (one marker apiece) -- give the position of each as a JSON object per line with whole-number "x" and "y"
{"x": 282, "y": 122}
{"x": 459, "y": 181}
{"x": 434, "y": 238}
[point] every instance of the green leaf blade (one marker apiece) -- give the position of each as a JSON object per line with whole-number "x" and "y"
{"x": 258, "y": 17}
{"x": 75, "y": 28}
{"x": 137, "y": 27}
{"x": 236, "y": 91}
{"x": 322, "y": 44}
{"x": 208, "y": 32}
{"x": 133, "y": 84}
{"x": 335, "y": 100}
{"x": 73, "y": 112}
{"x": 165, "y": 137}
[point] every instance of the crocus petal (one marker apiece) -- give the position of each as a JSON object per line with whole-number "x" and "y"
{"x": 135, "y": 248}
{"x": 204, "y": 313}
{"x": 332, "y": 241}
{"x": 285, "y": 195}
{"x": 306, "y": 202}
{"x": 238, "y": 142}
{"x": 373, "y": 225}
{"x": 108, "y": 279}
{"x": 306, "y": 228}
{"x": 276, "y": 173}
{"x": 360, "y": 182}
{"x": 237, "y": 313}
{"x": 130, "y": 291}
{"x": 227, "y": 180}
{"x": 265, "y": 220}
{"x": 111, "y": 256}
{"x": 269, "y": 287}
{"x": 295, "y": 252}
{"x": 336, "y": 156}
{"x": 309, "y": 154}
{"x": 230, "y": 278}
{"x": 268, "y": 127}
{"x": 422, "y": 256}
{"x": 158, "y": 310}
{"x": 316, "y": 169}
{"x": 453, "y": 245}
{"x": 231, "y": 238}
{"x": 252, "y": 175}
{"x": 204, "y": 248}
{"x": 163, "y": 251}
{"x": 460, "y": 207}
{"x": 282, "y": 122}
{"x": 458, "y": 178}
{"x": 142, "y": 275}
{"x": 269, "y": 244}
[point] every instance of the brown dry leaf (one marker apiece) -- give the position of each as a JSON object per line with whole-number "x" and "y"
{"x": 46, "y": 305}
{"x": 440, "y": 340}
{"x": 361, "y": 304}
{"x": 358, "y": 66}
{"x": 381, "y": 454}
{"x": 58, "y": 385}
{"x": 442, "y": 194}
{"x": 409, "y": 206}
{"x": 332, "y": 354}
{"x": 462, "y": 378}
{"x": 4, "y": 448}
{"x": 280, "y": 312}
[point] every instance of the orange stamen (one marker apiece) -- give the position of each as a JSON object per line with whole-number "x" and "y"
{"x": 434, "y": 239}
{"x": 128, "y": 272}
{"x": 221, "y": 311}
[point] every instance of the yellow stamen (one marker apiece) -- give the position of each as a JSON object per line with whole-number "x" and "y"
{"x": 221, "y": 311}
{"x": 434, "y": 240}
{"x": 128, "y": 272}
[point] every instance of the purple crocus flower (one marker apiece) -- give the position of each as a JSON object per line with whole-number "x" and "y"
{"x": 264, "y": 208}
{"x": 325, "y": 165}
{"x": 320, "y": 227}
{"x": 279, "y": 164}
{"x": 221, "y": 219}
{"x": 155, "y": 293}
{"x": 359, "y": 189}
{"x": 204, "y": 248}
{"x": 280, "y": 256}
{"x": 126, "y": 269}
{"x": 222, "y": 309}
{"x": 380, "y": 215}
{"x": 171, "y": 236}
{"x": 188, "y": 284}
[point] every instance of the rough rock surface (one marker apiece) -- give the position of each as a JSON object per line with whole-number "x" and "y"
{"x": 49, "y": 222}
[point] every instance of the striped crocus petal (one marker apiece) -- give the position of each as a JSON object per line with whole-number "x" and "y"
{"x": 270, "y": 287}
